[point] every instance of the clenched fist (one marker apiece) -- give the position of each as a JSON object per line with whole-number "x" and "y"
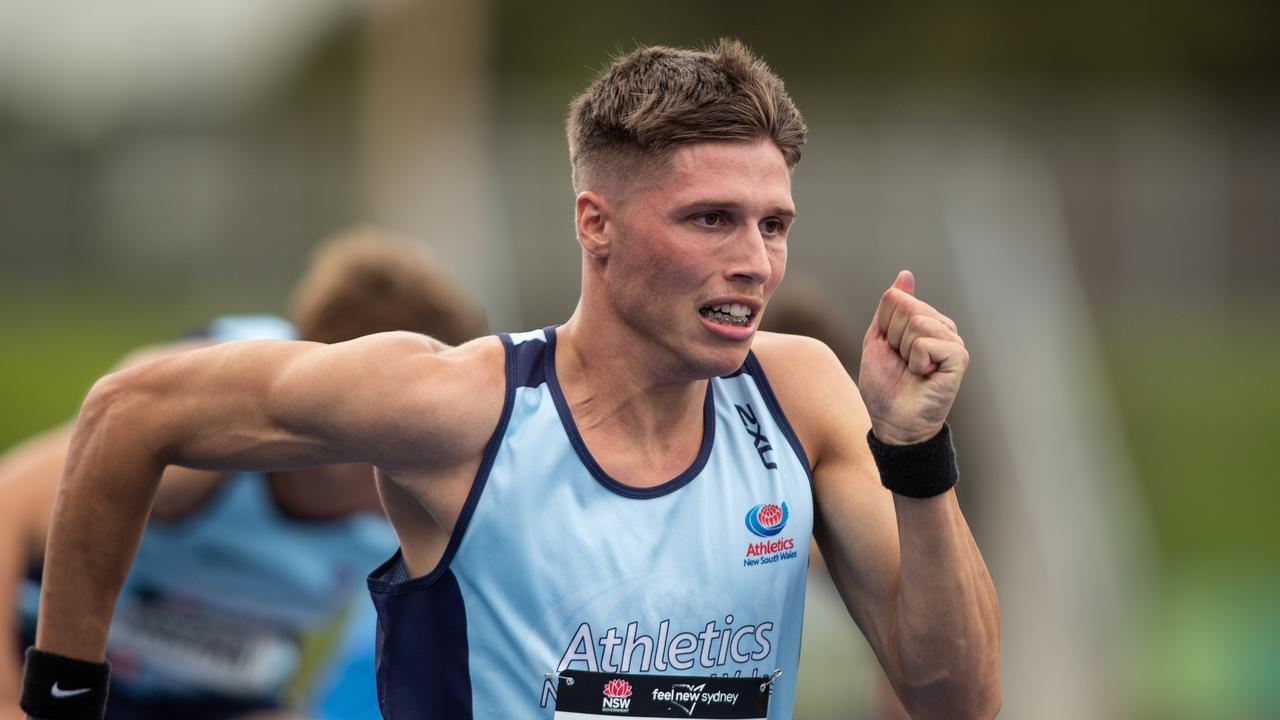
{"x": 912, "y": 363}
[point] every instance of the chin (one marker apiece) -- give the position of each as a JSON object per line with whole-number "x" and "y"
{"x": 721, "y": 361}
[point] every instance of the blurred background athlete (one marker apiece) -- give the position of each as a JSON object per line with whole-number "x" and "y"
{"x": 248, "y": 591}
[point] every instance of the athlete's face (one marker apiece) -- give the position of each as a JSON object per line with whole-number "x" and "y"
{"x": 700, "y": 248}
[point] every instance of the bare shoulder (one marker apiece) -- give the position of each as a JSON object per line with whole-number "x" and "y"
{"x": 419, "y": 361}
{"x": 466, "y": 383}
{"x": 814, "y": 390}
{"x": 793, "y": 352}
{"x": 802, "y": 371}
{"x": 435, "y": 404}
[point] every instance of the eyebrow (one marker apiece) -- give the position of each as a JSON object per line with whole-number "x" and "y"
{"x": 779, "y": 210}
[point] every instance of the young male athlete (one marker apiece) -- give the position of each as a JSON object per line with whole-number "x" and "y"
{"x": 242, "y": 576}
{"x": 609, "y": 517}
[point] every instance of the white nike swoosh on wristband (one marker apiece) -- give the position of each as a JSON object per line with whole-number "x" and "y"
{"x": 60, "y": 693}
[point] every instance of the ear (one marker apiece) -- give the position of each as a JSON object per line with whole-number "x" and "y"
{"x": 591, "y": 219}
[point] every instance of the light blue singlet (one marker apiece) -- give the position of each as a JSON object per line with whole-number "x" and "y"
{"x": 554, "y": 565}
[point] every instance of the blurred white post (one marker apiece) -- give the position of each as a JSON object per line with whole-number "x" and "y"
{"x": 426, "y": 168}
{"x": 1070, "y": 536}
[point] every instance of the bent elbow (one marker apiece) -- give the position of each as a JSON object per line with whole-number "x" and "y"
{"x": 114, "y": 408}
{"x": 103, "y": 398}
{"x": 981, "y": 699}
{"x": 111, "y": 396}
{"x": 973, "y": 695}
{"x": 987, "y": 701}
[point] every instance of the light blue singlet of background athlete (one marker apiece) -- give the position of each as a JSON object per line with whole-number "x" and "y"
{"x": 555, "y": 565}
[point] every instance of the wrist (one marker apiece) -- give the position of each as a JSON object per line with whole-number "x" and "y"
{"x": 56, "y": 687}
{"x": 890, "y": 434}
{"x": 916, "y": 470}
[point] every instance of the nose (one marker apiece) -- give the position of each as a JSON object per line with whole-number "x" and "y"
{"x": 750, "y": 261}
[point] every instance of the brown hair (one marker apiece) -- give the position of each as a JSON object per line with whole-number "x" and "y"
{"x": 656, "y": 98}
{"x": 362, "y": 282}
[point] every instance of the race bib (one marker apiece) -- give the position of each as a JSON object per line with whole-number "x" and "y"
{"x": 582, "y": 694}
{"x": 181, "y": 647}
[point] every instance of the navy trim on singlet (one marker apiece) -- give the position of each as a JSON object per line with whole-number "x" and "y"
{"x": 753, "y": 367}
{"x": 584, "y": 454}
{"x": 377, "y": 579}
{"x": 438, "y": 620}
{"x": 529, "y": 364}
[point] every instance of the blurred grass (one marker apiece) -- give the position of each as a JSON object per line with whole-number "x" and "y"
{"x": 55, "y": 344}
{"x": 1200, "y": 402}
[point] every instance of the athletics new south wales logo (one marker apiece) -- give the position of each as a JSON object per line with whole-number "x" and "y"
{"x": 767, "y": 520}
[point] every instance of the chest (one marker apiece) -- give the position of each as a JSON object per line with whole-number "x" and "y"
{"x": 568, "y": 545}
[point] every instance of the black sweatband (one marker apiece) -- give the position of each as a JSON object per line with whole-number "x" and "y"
{"x": 921, "y": 470}
{"x": 56, "y": 687}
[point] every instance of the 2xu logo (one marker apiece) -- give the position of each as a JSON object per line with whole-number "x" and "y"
{"x": 617, "y": 695}
{"x": 752, "y": 424}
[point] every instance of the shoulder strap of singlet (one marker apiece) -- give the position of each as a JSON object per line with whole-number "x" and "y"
{"x": 752, "y": 368}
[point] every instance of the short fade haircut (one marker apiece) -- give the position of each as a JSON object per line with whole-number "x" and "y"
{"x": 363, "y": 282}
{"x": 650, "y": 101}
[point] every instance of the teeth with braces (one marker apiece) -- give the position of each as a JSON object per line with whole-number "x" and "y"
{"x": 728, "y": 313}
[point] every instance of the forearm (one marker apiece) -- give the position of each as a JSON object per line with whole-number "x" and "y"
{"x": 101, "y": 509}
{"x": 947, "y": 623}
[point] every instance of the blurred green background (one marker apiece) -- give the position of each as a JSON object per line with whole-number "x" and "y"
{"x": 1093, "y": 189}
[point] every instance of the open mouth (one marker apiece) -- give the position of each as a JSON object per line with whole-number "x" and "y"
{"x": 727, "y": 314}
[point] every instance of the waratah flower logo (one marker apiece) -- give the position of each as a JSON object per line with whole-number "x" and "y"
{"x": 767, "y": 520}
{"x": 617, "y": 688}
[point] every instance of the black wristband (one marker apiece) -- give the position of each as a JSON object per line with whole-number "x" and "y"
{"x": 56, "y": 687}
{"x": 921, "y": 470}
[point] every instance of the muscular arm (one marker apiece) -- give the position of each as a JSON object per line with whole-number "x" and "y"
{"x": 262, "y": 405}
{"x": 29, "y": 475}
{"x": 908, "y": 570}
{"x": 912, "y": 577}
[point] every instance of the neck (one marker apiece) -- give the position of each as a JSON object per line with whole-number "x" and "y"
{"x": 617, "y": 381}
